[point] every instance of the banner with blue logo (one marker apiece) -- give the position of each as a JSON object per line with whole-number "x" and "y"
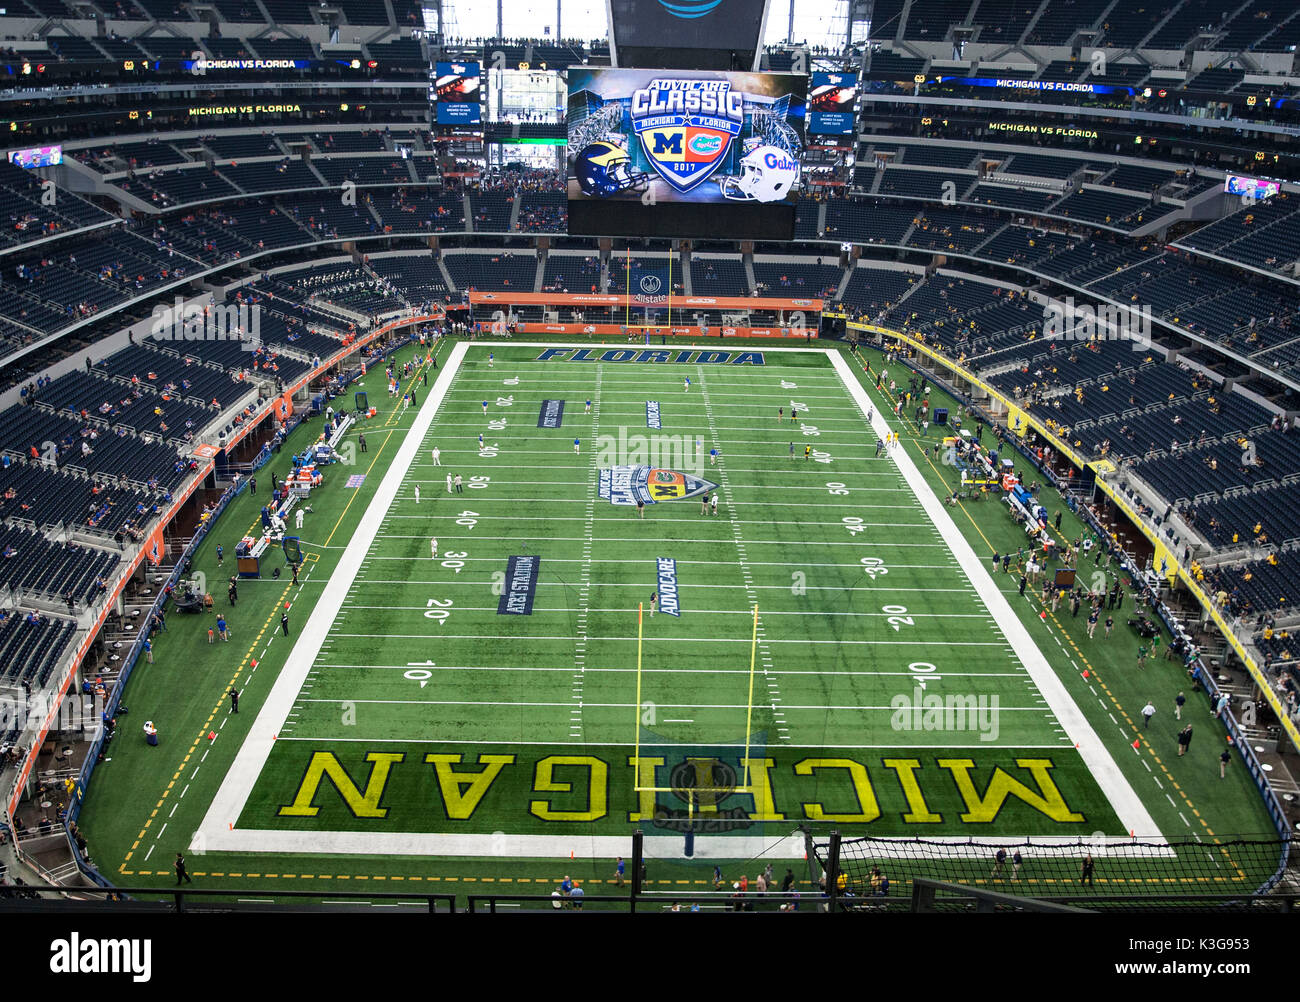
{"x": 551, "y": 414}
{"x": 669, "y": 601}
{"x": 646, "y": 282}
{"x": 521, "y": 586}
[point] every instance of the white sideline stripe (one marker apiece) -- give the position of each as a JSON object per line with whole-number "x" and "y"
{"x": 1132, "y": 812}
{"x": 237, "y": 784}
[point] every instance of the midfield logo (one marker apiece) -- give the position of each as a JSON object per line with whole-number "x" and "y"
{"x": 686, "y": 127}
{"x": 625, "y": 485}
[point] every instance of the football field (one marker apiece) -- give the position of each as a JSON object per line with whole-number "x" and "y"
{"x": 825, "y": 647}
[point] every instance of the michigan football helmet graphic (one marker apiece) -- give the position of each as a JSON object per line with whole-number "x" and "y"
{"x": 604, "y": 169}
{"x": 767, "y": 174}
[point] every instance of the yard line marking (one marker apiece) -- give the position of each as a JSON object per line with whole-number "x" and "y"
{"x": 589, "y": 515}
{"x": 706, "y": 612}
{"x": 623, "y": 706}
{"x": 612, "y": 744}
{"x": 956, "y": 673}
{"x": 697, "y": 640}
{"x": 761, "y": 643}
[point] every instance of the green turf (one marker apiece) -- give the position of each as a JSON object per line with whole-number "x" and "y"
{"x": 510, "y": 686}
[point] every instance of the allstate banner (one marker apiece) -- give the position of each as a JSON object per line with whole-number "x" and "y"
{"x": 521, "y": 586}
{"x": 551, "y": 414}
{"x": 646, "y": 284}
{"x": 652, "y": 414}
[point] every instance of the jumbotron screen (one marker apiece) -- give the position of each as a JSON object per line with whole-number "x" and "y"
{"x": 684, "y": 153}
{"x": 456, "y": 92}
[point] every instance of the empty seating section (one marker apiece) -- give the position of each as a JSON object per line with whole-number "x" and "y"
{"x": 1006, "y": 196}
{"x": 242, "y": 146}
{"x": 48, "y": 497}
{"x": 416, "y": 276}
{"x": 892, "y": 66}
{"x": 1126, "y": 27}
{"x": 415, "y": 210}
{"x": 797, "y": 277}
{"x": 1136, "y": 178}
{"x": 492, "y": 211}
{"x": 806, "y": 215}
{"x": 406, "y": 51}
{"x": 1228, "y": 522}
{"x": 1103, "y": 208}
{"x": 1248, "y": 28}
{"x": 1060, "y": 70}
{"x": 1266, "y": 234}
{"x": 1190, "y": 19}
{"x": 928, "y": 155}
{"x": 288, "y": 11}
{"x": 164, "y": 46}
{"x": 343, "y": 284}
{"x": 718, "y": 276}
{"x": 173, "y": 375}
{"x": 872, "y": 291}
{"x": 29, "y": 651}
{"x": 111, "y": 453}
{"x": 576, "y": 274}
{"x": 270, "y": 175}
{"x": 952, "y": 230}
{"x": 227, "y": 48}
{"x": 496, "y": 271}
{"x": 364, "y": 12}
{"x": 869, "y": 222}
{"x": 350, "y": 142}
{"x": 543, "y": 212}
{"x": 329, "y": 218}
{"x": 373, "y": 170}
{"x": 929, "y": 20}
{"x": 1040, "y": 165}
{"x": 923, "y": 183}
{"x": 169, "y": 188}
{"x": 278, "y": 48}
{"x": 1259, "y": 586}
{"x": 22, "y": 216}
{"x": 138, "y": 407}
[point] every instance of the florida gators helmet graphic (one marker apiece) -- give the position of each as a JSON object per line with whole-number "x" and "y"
{"x": 767, "y": 173}
{"x": 604, "y": 169}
